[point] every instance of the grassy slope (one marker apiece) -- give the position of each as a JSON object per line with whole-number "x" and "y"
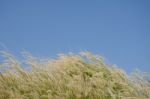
{"x": 83, "y": 76}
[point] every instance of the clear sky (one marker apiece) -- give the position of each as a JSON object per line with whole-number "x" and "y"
{"x": 119, "y": 30}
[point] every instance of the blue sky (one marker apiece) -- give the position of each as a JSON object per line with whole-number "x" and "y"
{"x": 119, "y": 30}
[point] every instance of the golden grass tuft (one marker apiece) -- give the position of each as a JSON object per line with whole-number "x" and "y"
{"x": 81, "y": 76}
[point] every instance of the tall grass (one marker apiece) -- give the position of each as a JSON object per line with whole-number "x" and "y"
{"x": 81, "y": 76}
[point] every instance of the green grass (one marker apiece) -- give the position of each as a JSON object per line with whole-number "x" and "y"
{"x": 79, "y": 76}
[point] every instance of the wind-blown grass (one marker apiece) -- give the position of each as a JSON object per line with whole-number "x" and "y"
{"x": 81, "y": 76}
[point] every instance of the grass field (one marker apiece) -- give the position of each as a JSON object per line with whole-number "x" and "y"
{"x": 72, "y": 76}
